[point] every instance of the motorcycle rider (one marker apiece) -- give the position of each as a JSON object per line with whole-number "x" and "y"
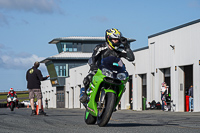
{"x": 115, "y": 45}
{"x": 12, "y": 93}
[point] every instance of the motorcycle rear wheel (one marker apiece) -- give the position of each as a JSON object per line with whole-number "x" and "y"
{"x": 12, "y": 106}
{"x": 104, "y": 115}
{"x": 89, "y": 119}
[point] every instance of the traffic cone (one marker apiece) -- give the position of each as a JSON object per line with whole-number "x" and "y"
{"x": 28, "y": 106}
{"x": 37, "y": 108}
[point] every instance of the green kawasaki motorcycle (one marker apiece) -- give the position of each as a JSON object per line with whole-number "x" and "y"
{"x": 105, "y": 91}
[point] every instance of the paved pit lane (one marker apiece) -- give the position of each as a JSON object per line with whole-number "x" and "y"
{"x": 122, "y": 121}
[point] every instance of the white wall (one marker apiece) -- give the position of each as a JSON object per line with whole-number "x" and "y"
{"x": 68, "y": 93}
{"x": 48, "y": 92}
{"x": 141, "y": 67}
{"x": 186, "y": 42}
{"x": 74, "y": 84}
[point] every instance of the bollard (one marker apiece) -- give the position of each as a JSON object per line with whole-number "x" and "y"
{"x": 186, "y": 103}
{"x": 143, "y": 103}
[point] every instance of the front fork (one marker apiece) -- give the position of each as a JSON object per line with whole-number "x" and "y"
{"x": 101, "y": 99}
{"x": 102, "y": 96}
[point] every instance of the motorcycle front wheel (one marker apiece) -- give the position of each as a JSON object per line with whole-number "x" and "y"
{"x": 106, "y": 111}
{"x": 12, "y": 106}
{"x": 89, "y": 119}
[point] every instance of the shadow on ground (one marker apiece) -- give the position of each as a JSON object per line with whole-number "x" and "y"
{"x": 135, "y": 125}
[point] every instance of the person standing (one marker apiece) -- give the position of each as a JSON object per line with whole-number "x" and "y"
{"x": 33, "y": 77}
{"x": 190, "y": 94}
{"x": 164, "y": 92}
{"x": 46, "y": 101}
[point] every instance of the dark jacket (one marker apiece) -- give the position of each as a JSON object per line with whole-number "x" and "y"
{"x": 102, "y": 51}
{"x": 34, "y": 76}
{"x": 190, "y": 92}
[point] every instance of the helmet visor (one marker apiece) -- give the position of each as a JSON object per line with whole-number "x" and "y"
{"x": 115, "y": 42}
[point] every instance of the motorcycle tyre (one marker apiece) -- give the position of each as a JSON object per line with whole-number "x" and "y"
{"x": 107, "y": 112}
{"x": 90, "y": 119}
{"x": 12, "y": 107}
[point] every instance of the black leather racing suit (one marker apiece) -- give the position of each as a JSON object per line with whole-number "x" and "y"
{"x": 102, "y": 51}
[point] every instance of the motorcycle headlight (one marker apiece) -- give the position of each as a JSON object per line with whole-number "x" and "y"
{"x": 107, "y": 73}
{"x": 121, "y": 76}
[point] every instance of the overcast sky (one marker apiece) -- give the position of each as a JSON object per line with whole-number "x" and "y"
{"x": 26, "y": 27}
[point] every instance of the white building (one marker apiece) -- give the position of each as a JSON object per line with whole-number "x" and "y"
{"x": 171, "y": 56}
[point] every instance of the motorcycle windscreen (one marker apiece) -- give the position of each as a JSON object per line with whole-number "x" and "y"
{"x": 113, "y": 63}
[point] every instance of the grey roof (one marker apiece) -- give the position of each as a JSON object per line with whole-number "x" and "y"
{"x": 68, "y": 56}
{"x": 175, "y": 28}
{"x": 82, "y": 39}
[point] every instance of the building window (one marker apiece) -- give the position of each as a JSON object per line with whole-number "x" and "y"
{"x": 69, "y": 47}
{"x": 63, "y": 97}
{"x": 63, "y": 46}
{"x": 57, "y": 70}
{"x": 61, "y": 70}
{"x": 88, "y": 47}
{"x": 75, "y": 47}
{"x": 79, "y": 47}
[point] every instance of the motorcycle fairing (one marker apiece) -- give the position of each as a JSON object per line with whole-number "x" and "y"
{"x": 98, "y": 78}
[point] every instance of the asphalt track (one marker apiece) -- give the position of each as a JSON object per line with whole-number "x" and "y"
{"x": 122, "y": 121}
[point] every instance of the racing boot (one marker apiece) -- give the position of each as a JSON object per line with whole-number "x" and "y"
{"x": 83, "y": 97}
{"x": 33, "y": 113}
{"x": 41, "y": 112}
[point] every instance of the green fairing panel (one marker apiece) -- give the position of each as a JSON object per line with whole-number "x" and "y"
{"x": 125, "y": 81}
{"x": 86, "y": 114}
{"x": 96, "y": 81}
{"x": 121, "y": 91}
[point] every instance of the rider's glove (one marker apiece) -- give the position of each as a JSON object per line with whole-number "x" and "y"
{"x": 126, "y": 46}
{"x": 124, "y": 42}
